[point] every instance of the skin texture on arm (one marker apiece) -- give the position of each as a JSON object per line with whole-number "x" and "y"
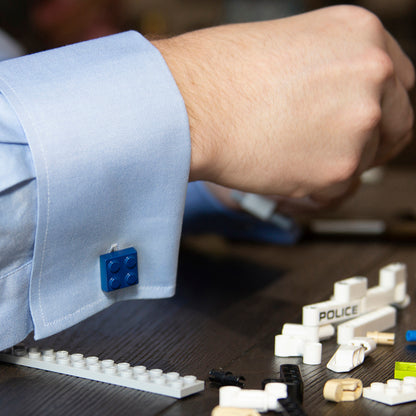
{"x": 299, "y": 106}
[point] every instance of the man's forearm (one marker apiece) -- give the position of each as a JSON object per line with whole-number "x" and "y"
{"x": 299, "y": 106}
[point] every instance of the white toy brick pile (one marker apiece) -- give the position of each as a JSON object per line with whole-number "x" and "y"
{"x": 356, "y": 310}
{"x": 106, "y": 371}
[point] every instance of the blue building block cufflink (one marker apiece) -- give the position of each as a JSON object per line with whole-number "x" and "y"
{"x": 119, "y": 269}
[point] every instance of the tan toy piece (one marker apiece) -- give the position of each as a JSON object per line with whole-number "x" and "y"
{"x": 343, "y": 389}
{"x": 382, "y": 338}
{"x": 233, "y": 411}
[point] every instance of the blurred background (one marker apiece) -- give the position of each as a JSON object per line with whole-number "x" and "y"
{"x": 43, "y": 24}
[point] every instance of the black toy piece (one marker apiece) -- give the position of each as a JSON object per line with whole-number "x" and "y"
{"x": 292, "y": 407}
{"x": 221, "y": 377}
{"x": 290, "y": 375}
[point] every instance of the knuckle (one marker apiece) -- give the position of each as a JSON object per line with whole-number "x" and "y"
{"x": 347, "y": 168}
{"x": 368, "y": 118}
{"x": 340, "y": 172}
{"x": 360, "y": 17}
{"x": 379, "y": 65}
{"x": 370, "y": 22}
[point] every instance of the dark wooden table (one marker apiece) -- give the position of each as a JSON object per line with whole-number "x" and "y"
{"x": 232, "y": 299}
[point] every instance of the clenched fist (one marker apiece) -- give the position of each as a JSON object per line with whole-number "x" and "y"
{"x": 299, "y": 106}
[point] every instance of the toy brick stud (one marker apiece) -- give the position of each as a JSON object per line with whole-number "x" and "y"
{"x": 113, "y": 266}
{"x": 114, "y": 283}
{"x": 119, "y": 269}
{"x": 271, "y": 380}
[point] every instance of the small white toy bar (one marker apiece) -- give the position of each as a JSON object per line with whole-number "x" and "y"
{"x": 106, "y": 371}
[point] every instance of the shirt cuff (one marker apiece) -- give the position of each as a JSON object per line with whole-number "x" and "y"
{"x": 109, "y": 136}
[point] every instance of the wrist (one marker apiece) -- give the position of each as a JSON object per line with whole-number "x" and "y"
{"x": 183, "y": 62}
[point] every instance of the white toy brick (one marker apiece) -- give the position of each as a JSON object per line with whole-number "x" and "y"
{"x": 257, "y": 205}
{"x": 289, "y": 346}
{"x": 346, "y": 358}
{"x": 106, "y": 371}
{"x": 326, "y": 332}
{"x": 309, "y": 333}
{"x": 394, "y": 276}
{"x": 262, "y": 208}
{"x": 350, "y": 289}
{"x": 296, "y": 346}
{"x": 312, "y": 353}
{"x": 393, "y": 392}
{"x": 330, "y": 312}
{"x": 391, "y": 288}
{"x": 260, "y": 400}
{"x": 378, "y": 320}
{"x": 369, "y": 344}
{"x": 305, "y": 332}
{"x": 377, "y": 297}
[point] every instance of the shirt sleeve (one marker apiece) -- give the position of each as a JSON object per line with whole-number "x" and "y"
{"x": 17, "y": 228}
{"x": 109, "y": 137}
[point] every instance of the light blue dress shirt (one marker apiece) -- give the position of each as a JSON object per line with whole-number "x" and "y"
{"x": 108, "y": 132}
{"x": 95, "y": 151}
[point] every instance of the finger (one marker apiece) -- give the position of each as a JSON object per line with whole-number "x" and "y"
{"x": 336, "y": 193}
{"x": 403, "y": 66}
{"x": 396, "y": 121}
{"x": 384, "y": 157}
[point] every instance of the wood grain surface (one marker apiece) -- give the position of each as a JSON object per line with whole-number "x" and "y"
{"x": 232, "y": 299}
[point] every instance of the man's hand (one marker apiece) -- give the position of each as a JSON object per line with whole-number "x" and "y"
{"x": 299, "y": 106}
